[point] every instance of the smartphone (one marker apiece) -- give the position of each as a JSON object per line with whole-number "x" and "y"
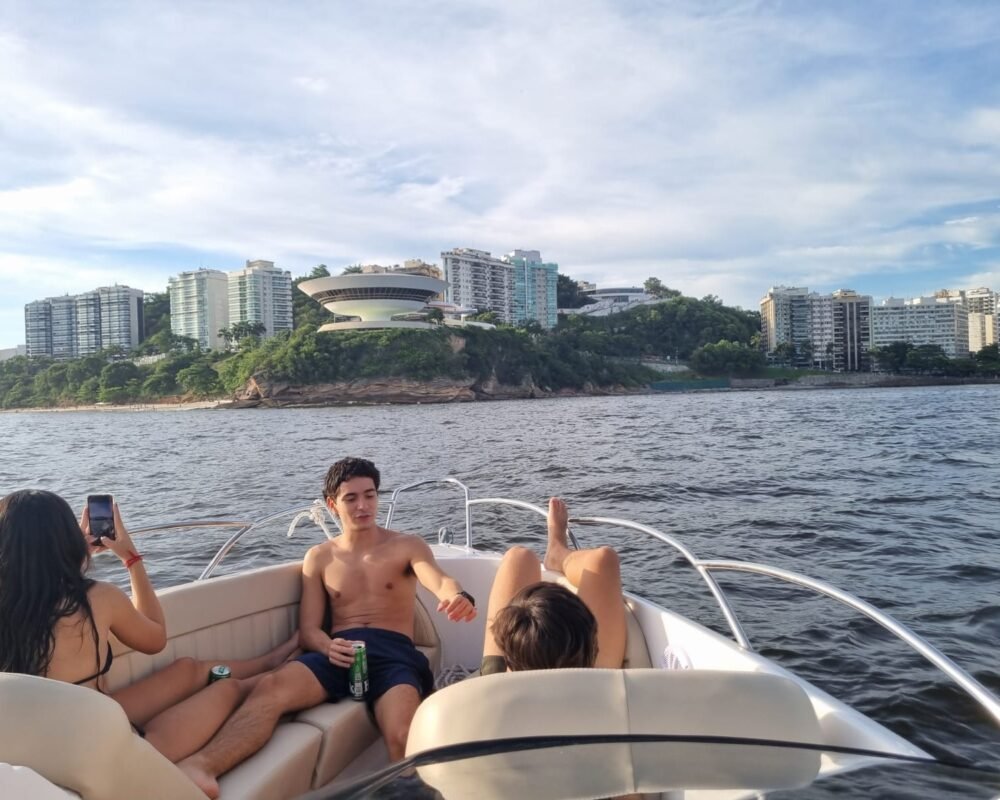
{"x": 102, "y": 516}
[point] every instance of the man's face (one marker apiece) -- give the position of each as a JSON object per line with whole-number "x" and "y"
{"x": 356, "y": 503}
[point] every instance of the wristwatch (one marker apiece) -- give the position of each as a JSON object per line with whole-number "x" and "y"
{"x": 468, "y": 597}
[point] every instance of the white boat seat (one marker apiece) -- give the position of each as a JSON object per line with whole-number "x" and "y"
{"x": 81, "y": 740}
{"x": 281, "y": 769}
{"x": 242, "y": 616}
{"x": 596, "y": 701}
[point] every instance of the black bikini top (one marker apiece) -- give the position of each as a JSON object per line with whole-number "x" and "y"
{"x": 103, "y": 671}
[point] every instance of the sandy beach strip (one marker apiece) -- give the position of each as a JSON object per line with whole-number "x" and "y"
{"x": 189, "y": 405}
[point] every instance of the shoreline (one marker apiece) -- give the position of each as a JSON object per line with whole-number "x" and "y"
{"x": 806, "y": 383}
{"x": 191, "y": 405}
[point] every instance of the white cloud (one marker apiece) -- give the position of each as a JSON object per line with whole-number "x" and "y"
{"x": 725, "y": 148}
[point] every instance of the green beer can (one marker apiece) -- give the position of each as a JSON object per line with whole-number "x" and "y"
{"x": 219, "y": 672}
{"x": 358, "y": 674}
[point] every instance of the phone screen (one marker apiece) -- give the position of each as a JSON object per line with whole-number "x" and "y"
{"x": 102, "y": 516}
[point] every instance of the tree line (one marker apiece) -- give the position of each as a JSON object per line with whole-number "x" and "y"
{"x": 713, "y": 339}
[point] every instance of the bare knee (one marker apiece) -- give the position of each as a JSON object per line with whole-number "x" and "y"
{"x": 282, "y": 690}
{"x": 519, "y": 557}
{"x": 604, "y": 561}
{"x": 194, "y": 672}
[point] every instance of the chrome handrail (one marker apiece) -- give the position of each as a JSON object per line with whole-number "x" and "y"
{"x": 455, "y": 482}
{"x": 704, "y": 567}
{"x": 198, "y": 523}
{"x": 232, "y": 540}
{"x": 527, "y": 506}
{"x": 720, "y": 596}
{"x": 971, "y": 686}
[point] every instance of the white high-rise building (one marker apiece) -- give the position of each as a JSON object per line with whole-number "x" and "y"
{"x": 199, "y": 306}
{"x": 478, "y": 280}
{"x": 942, "y": 320}
{"x": 74, "y": 326}
{"x": 785, "y": 319}
{"x": 984, "y": 321}
{"x": 261, "y": 293}
{"x": 821, "y": 329}
{"x": 122, "y": 322}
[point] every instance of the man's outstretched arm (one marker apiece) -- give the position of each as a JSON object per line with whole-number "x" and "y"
{"x": 457, "y": 604}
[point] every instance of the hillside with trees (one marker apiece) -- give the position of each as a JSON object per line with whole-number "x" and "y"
{"x": 582, "y": 354}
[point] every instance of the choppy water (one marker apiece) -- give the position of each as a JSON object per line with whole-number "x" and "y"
{"x": 891, "y": 494}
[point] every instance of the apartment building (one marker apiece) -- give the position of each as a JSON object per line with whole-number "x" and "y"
{"x": 785, "y": 319}
{"x": 821, "y": 329}
{"x": 518, "y": 287}
{"x": 941, "y": 320}
{"x": 852, "y": 331}
{"x": 74, "y": 326}
{"x": 261, "y": 293}
{"x": 478, "y": 280}
{"x": 535, "y": 283}
{"x": 984, "y": 321}
{"x": 199, "y": 306}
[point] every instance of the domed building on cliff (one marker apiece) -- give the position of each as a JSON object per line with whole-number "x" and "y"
{"x": 382, "y": 300}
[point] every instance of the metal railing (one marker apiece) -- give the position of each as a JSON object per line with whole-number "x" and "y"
{"x": 704, "y": 568}
{"x": 974, "y": 688}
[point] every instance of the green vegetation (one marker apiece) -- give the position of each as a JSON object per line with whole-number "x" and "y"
{"x": 903, "y": 358}
{"x": 716, "y": 341}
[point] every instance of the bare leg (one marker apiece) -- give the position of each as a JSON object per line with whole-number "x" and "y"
{"x": 519, "y": 568}
{"x": 186, "y": 727}
{"x": 290, "y": 688}
{"x": 596, "y": 574}
{"x": 154, "y": 694}
{"x": 394, "y": 712}
{"x": 249, "y": 667}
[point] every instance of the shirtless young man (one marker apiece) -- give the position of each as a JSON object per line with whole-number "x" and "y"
{"x": 367, "y": 577}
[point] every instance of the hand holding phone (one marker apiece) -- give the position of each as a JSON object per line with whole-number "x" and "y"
{"x": 101, "y": 510}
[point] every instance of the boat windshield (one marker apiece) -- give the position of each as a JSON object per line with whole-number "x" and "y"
{"x": 662, "y": 768}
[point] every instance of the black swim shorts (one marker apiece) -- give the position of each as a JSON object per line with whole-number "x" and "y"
{"x": 392, "y": 660}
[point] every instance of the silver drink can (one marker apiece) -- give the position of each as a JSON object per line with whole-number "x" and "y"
{"x": 358, "y": 674}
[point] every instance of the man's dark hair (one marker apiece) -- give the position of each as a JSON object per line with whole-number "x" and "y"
{"x": 546, "y": 626}
{"x": 344, "y": 470}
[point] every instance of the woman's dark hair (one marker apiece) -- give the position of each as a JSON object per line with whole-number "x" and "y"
{"x": 546, "y": 626}
{"x": 344, "y": 470}
{"x": 42, "y": 558}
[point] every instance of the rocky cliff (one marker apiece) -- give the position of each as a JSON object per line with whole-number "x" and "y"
{"x": 263, "y": 393}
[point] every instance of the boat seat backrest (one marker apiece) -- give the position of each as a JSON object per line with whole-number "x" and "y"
{"x": 578, "y": 702}
{"x": 235, "y": 617}
{"x": 81, "y": 740}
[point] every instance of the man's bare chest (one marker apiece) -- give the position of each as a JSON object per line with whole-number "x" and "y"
{"x": 367, "y": 577}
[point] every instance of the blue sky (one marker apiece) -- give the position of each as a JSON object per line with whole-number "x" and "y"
{"x": 723, "y": 147}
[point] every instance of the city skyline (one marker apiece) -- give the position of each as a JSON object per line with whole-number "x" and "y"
{"x": 722, "y": 148}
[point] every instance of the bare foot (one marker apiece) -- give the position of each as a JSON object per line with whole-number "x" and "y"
{"x": 558, "y": 546}
{"x": 283, "y": 652}
{"x": 200, "y": 777}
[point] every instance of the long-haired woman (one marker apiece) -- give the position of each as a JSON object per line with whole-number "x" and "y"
{"x": 57, "y": 624}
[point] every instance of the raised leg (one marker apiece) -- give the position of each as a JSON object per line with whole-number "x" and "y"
{"x": 519, "y": 568}
{"x": 596, "y": 574}
{"x": 290, "y": 688}
{"x": 394, "y": 712}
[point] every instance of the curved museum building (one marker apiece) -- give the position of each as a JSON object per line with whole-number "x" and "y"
{"x": 374, "y": 300}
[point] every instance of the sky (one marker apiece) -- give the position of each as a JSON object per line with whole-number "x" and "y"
{"x": 723, "y": 147}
